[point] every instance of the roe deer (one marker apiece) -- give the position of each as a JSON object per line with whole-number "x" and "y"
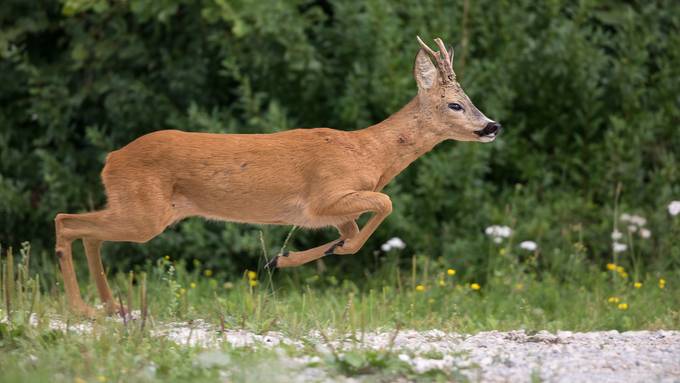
{"x": 306, "y": 177}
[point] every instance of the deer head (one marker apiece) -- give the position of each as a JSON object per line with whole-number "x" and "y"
{"x": 445, "y": 109}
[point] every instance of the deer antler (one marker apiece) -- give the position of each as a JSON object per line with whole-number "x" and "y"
{"x": 442, "y": 58}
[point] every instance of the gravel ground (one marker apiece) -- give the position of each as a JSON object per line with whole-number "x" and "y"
{"x": 493, "y": 356}
{"x": 515, "y": 356}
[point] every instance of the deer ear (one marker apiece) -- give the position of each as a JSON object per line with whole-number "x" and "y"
{"x": 424, "y": 71}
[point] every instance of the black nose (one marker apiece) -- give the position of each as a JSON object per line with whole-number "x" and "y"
{"x": 491, "y": 128}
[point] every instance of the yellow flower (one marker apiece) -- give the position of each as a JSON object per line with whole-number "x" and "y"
{"x": 101, "y": 378}
{"x": 662, "y": 283}
{"x": 637, "y": 285}
{"x": 624, "y": 275}
{"x": 623, "y": 306}
{"x": 451, "y": 272}
{"x": 475, "y": 286}
{"x": 611, "y": 266}
{"x": 620, "y": 269}
{"x": 252, "y": 275}
{"x": 182, "y": 291}
{"x": 519, "y": 287}
{"x": 252, "y": 282}
{"x": 207, "y": 273}
{"x": 613, "y": 300}
{"x": 420, "y": 288}
{"x": 167, "y": 257}
{"x": 193, "y": 285}
{"x": 442, "y": 283}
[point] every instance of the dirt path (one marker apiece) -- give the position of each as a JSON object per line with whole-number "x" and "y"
{"x": 515, "y": 356}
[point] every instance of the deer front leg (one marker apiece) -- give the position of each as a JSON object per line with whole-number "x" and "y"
{"x": 351, "y": 204}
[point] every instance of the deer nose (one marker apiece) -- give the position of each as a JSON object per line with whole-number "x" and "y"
{"x": 491, "y": 128}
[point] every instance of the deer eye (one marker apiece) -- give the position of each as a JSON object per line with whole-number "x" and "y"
{"x": 455, "y": 106}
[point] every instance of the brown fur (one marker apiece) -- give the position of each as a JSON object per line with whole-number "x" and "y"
{"x": 306, "y": 177}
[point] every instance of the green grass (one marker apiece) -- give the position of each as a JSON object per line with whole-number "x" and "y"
{"x": 512, "y": 295}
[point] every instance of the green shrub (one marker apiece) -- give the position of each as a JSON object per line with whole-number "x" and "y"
{"x": 587, "y": 92}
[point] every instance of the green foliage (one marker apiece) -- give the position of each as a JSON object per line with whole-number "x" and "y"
{"x": 587, "y": 92}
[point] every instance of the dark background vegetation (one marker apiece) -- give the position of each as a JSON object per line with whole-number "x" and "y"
{"x": 588, "y": 92}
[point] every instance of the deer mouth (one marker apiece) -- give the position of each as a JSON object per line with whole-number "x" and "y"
{"x": 489, "y": 132}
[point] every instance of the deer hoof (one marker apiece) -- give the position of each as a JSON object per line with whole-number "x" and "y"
{"x": 332, "y": 248}
{"x": 273, "y": 263}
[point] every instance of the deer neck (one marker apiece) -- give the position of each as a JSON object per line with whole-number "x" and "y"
{"x": 398, "y": 141}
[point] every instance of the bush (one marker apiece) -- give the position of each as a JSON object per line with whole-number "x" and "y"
{"x": 587, "y": 92}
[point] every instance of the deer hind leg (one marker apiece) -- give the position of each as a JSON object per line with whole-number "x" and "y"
{"x": 94, "y": 263}
{"x": 63, "y": 252}
{"x": 352, "y": 239}
{"x": 93, "y": 228}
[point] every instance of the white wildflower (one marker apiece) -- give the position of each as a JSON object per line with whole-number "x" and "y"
{"x": 674, "y": 208}
{"x": 625, "y": 217}
{"x": 616, "y": 235}
{"x": 645, "y": 233}
{"x": 632, "y": 228}
{"x": 528, "y": 245}
{"x": 619, "y": 247}
{"x": 498, "y": 239}
{"x": 393, "y": 243}
{"x": 637, "y": 220}
{"x": 498, "y": 231}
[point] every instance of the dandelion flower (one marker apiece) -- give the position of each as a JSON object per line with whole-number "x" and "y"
{"x": 192, "y": 285}
{"x": 442, "y": 283}
{"x": 616, "y": 235}
{"x": 420, "y": 288}
{"x": 182, "y": 291}
{"x": 619, "y": 247}
{"x": 475, "y": 286}
{"x": 662, "y": 283}
{"x": 528, "y": 245}
{"x": 393, "y": 243}
{"x": 208, "y": 273}
{"x": 674, "y": 208}
{"x": 611, "y": 266}
{"x": 645, "y": 233}
{"x": 623, "y": 306}
{"x": 451, "y": 272}
{"x": 624, "y": 275}
{"x": 613, "y": 300}
{"x": 252, "y": 282}
{"x": 167, "y": 257}
{"x": 620, "y": 269}
{"x": 252, "y": 275}
{"x": 637, "y": 285}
